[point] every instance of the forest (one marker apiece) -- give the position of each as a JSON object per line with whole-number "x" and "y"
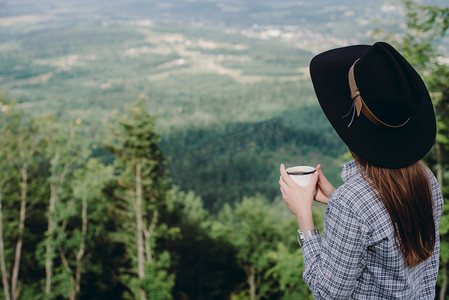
{"x": 140, "y": 159}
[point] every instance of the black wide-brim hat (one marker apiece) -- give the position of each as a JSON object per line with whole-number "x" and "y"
{"x": 396, "y": 125}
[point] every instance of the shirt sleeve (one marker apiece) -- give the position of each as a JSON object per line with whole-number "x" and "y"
{"x": 334, "y": 261}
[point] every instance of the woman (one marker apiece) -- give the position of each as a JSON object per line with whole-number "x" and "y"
{"x": 380, "y": 236}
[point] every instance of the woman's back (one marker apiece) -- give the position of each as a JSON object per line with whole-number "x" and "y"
{"x": 383, "y": 272}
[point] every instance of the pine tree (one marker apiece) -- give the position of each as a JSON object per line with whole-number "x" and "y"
{"x": 142, "y": 187}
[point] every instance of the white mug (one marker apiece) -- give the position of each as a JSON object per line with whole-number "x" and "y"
{"x": 301, "y": 174}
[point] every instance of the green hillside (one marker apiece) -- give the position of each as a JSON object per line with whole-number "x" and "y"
{"x": 201, "y": 82}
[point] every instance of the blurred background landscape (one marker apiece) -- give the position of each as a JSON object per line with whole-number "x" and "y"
{"x": 141, "y": 140}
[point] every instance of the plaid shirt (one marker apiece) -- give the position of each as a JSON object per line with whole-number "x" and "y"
{"x": 357, "y": 257}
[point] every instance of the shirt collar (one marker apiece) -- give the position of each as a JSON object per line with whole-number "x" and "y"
{"x": 349, "y": 170}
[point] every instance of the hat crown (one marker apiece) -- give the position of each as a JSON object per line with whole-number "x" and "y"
{"x": 393, "y": 92}
{"x": 381, "y": 77}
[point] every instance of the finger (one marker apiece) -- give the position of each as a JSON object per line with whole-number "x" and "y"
{"x": 321, "y": 176}
{"x": 283, "y": 185}
{"x": 319, "y": 171}
{"x": 287, "y": 179}
{"x": 314, "y": 179}
{"x": 282, "y": 191}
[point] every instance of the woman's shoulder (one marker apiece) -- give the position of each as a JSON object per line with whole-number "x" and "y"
{"x": 359, "y": 197}
{"x": 354, "y": 189}
{"x": 354, "y": 193}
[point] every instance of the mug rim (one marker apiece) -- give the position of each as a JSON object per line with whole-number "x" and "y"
{"x": 300, "y": 173}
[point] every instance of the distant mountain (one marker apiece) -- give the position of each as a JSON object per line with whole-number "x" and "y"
{"x": 324, "y": 16}
{"x": 234, "y": 12}
{"x": 229, "y": 12}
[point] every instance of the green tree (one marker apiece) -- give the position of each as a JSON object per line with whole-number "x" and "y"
{"x": 65, "y": 154}
{"x": 254, "y": 228}
{"x": 9, "y": 116}
{"x": 142, "y": 187}
{"x": 287, "y": 261}
{"x": 20, "y": 141}
{"x": 287, "y": 271}
{"x": 205, "y": 266}
{"x": 87, "y": 209}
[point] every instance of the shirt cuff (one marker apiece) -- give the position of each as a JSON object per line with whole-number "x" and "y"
{"x": 311, "y": 249}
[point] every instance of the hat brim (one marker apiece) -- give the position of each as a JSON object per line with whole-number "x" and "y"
{"x": 385, "y": 147}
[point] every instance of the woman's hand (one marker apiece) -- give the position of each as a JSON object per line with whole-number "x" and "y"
{"x": 324, "y": 188}
{"x": 299, "y": 198}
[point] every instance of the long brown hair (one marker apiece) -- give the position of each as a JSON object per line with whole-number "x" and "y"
{"x": 407, "y": 197}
